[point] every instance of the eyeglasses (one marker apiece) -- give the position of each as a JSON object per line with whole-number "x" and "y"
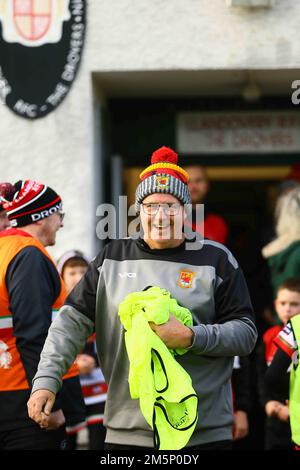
{"x": 168, "y": 209}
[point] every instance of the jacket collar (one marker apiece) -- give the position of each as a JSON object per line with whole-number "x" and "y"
{"x": 14, "y": 231}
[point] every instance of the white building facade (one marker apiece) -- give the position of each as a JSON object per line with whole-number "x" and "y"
{"x": 152, "y": 49}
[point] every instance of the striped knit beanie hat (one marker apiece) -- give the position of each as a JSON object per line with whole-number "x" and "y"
{"x": 163, "y": 176}
{"x": 27, "y": 202}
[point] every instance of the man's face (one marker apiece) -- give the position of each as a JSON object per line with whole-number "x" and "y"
{"x": 49, "y": 226}
{"x": 4, "y": 222}
{"x": 72, "y": 275}
{"x": 162, "y": 217}
{"x": 198, "y": 183}
{"x": 287, "y": 304}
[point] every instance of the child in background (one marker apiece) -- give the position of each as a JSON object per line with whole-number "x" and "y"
{"x": 274, "y": 399}
{"x": 287, "y": 357}
{"x": 73, "y": 266}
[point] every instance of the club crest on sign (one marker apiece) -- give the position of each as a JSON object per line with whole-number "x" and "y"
{"x": 41, "y": 44}
{"x": 33, "y": 22}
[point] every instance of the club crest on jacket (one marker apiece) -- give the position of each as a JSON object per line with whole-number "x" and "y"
{"x": 185, "y": 279}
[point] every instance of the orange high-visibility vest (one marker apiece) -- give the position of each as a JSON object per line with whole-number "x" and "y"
{"x": 12, "y": 373}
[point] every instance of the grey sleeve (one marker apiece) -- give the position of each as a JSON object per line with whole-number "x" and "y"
{"x": 69, "y": 331}
{"x": 233, "y": 338}
{"x": 66, "y": 337}
{"x": 233, "y": 332}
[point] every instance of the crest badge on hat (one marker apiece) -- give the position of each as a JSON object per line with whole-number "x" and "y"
{"x": 186, "y": 279}
{"x": 164, "y": 175}
{"x": 162, "y": 181}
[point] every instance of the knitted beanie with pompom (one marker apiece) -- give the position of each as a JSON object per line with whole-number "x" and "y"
{"x": 163, "y": 176}
{"x": 28, "y": 201}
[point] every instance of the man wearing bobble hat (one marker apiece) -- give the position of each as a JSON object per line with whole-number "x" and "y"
{"x": 207, "y": 281}
{"x": 30, "y": 291}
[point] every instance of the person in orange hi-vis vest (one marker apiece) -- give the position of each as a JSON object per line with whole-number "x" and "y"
{"x": 31, "y": 291}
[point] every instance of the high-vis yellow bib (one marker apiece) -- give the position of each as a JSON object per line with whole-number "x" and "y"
{"x": 167, "y": 398}
{"x": 294, "y": 400}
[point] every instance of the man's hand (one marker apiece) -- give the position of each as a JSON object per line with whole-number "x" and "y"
{"x": 283, "y": 413}
{"x": 56, "y": 420}
{"x": 174, "y": 334}
{"x": 240, "y": 425}
{"x": 85, "y": 363}
{"x": 272, "y": 407}
{"x": 39, "y": 407}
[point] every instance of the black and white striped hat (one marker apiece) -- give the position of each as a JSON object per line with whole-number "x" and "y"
{"x": 163, "y": 176}
{"x": 29, "y": 202}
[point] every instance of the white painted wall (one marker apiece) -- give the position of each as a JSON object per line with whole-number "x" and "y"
{"x": 134, "y": 35}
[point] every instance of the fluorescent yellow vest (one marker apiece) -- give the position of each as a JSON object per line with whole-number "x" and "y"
{"x": 167, "y": 398}
{"x": 294, "y": 401}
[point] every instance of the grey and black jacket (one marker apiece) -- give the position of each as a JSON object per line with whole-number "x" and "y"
{"x": 207, "y": 281}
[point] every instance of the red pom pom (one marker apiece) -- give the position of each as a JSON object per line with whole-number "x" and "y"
{"x": 164, "y": 154}
{"x": 7, "y": 191}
